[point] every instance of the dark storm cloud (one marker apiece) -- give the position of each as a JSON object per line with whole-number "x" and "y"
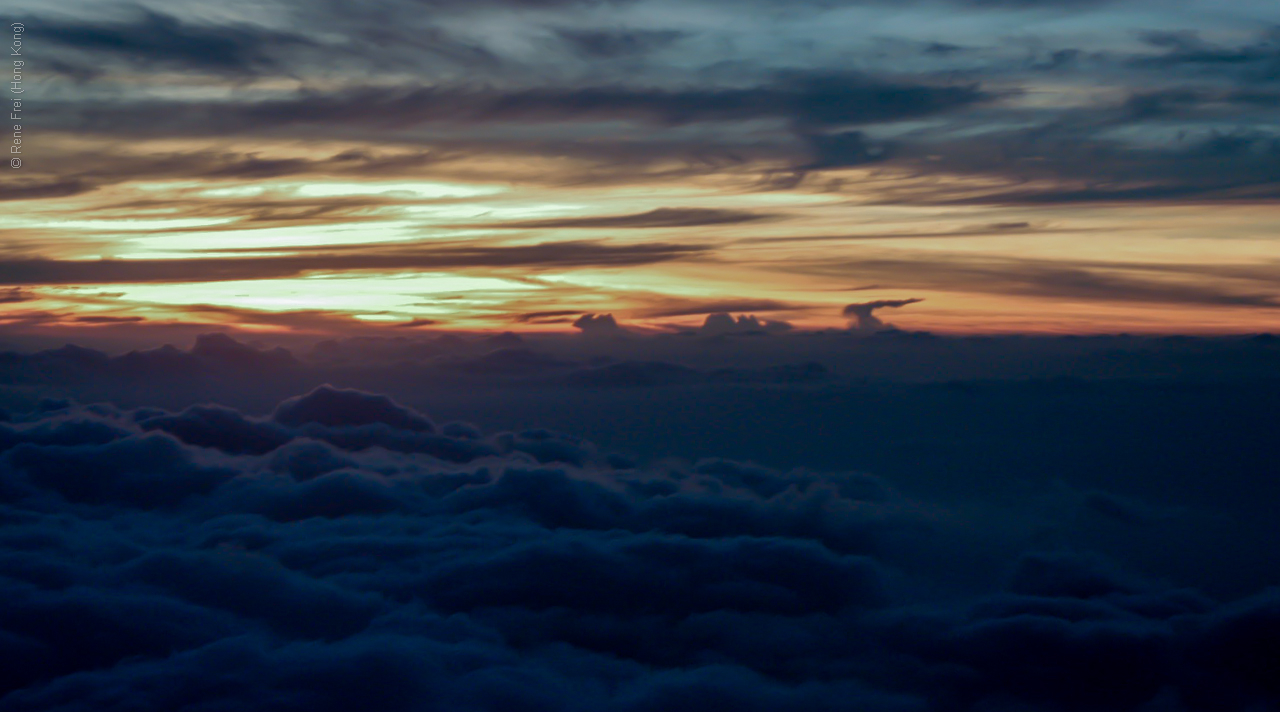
{"x": 804, "y": 99}
{"x": 842, "y": 150}
{"x": 1074, "y": 161}
{"x": 1197, "y": 103}
{"x": 1070, "y": 151}
{"x": 658, "y": 217}
{"x": 1100, "y": 281}
{"x": 1259, "y": 59}
{"x": 158, "y": 40}
{"x": 348, "y": 551}
{"x": 603, "y": 44}
{"x": 699, "y": 95}
{"x": 1071, "y": 157}
{"x": 1228, "y": 191}
{"x": 36, "y": 189}
{"x": 562, "y": 254}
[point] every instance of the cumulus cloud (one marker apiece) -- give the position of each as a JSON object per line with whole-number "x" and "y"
{"x": 725, "y": 324}
{"x": 344, "y": 551}
{"x": 598, "y": 325}
{"x": 863, "y": 315}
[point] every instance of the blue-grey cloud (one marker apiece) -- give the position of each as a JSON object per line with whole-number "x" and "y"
{"x": 362, "y": 555}
{"x": 157, "y": 40}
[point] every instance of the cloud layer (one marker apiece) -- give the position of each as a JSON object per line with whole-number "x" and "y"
{"x": 347, "y": 551}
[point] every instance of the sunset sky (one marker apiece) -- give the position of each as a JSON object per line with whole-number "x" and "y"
{"x": 640, "y": 356}
{"x": 312, "y": 167}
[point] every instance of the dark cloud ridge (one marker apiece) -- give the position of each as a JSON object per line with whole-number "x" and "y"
{"x": 156, "y": 39}
{"x": 810, "y": 100}
{"x": 212, "y": 269}
{"x": 656, "y": 218}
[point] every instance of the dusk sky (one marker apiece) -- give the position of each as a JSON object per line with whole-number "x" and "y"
{"x": 1056, "y": 166}
{"x": 640, "y": 356}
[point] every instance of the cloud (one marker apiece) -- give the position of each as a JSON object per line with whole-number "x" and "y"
{"x": 105, "y": 319}
{"x": 1186, "y": 47}
{"x": 863, "y": 313}
{"x": 349, "y": 563}
{"x": 842, "y": 149}
{"x": 146, "y": 471}
{"x": 725, "y": 324}
{"x": 548, "y": 317}
{"x": 1103, "y": 281}
{"x": 598, "y": 325}
{"x": 212, "y": 269}
{"x": 16, "y": 295}
{"x": 1079, "y": 160}
{"x": 38, "y": 189}
{"x": 220, "y": 428}
{"x": 417, "y": 323}
{"x": 656, "y": 218}
{"x": 770, "y": 96}
{"x": 334, "y": 407}
{"x": 613, "y": 44}
{"x": 976, "y": 230}
{"x": 157, "y": 40}
{"x": 808, "y": 100}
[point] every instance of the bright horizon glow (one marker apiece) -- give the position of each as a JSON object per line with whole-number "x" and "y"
{"x": 784, "y": 247}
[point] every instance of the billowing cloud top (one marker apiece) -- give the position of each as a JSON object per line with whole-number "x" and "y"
{"x": 345, "y": 552}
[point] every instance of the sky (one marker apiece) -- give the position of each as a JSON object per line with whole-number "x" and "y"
{"x": 305, "y": 167}
{"x": 641, "y": 356}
